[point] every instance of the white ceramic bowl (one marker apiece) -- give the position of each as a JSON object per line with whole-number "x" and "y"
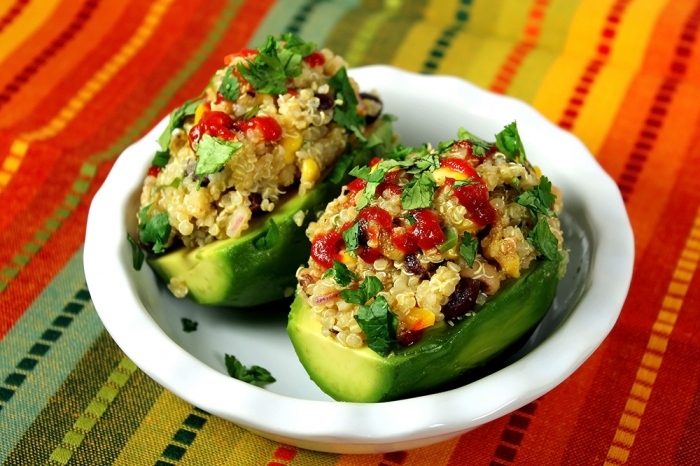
{"x": 144, "y": 319}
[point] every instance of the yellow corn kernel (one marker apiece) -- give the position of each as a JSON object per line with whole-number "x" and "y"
{"x": 443, "y": 172}
{"x": 538, "y": 172}
{"x": 201, "y": 108}
{"x": 291, "y": 145}
{"x": 419, "y": 318}
{"x": 309, "y": 170}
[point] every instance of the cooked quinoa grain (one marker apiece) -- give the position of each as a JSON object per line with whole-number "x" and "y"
{"x": 231, "y": 153}
{"x": 439, "y": 229}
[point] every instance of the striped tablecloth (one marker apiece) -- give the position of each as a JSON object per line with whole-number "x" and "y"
{"x": 82, "y": 79}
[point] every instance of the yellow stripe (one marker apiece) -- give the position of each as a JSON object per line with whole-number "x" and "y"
{"x": 154, "y": 434}
{"x": 29, "y": 21}
{"x": 105, "y": 74}
{"x": 367, "y": 32}
{"x": 610, "y": 88}
{"x": 215, "y": 440}
{"x": 640, "y": 392}
{"x": 13, "y": 161}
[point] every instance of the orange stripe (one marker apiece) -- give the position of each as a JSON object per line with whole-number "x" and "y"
{"x": 12, "y": 12}
{"x": 520, "y": 51}
{"x": 649, "y": 367}
{"x": 34, "y": 15}
{"x": 602, "y": 55}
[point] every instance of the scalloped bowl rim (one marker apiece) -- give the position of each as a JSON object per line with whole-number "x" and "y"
{"x": 332, "y": 423}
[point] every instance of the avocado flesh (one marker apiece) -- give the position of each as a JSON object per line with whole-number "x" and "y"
{"x": 445, "y": 352}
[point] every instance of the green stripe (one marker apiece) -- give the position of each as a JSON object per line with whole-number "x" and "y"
{"x": 184, "y": 437}
{"x": 120, "y": 422}
{"x": 57, "y": 354}
{"x": 59, "y": 414}
{"x": 146, "y": 120}
{"x": 459, "y": 20}
{"x": 390, "y": 37}
{"x": 92, "y": 414}
{"x": 321, "y": 21}
{"x": 276, "y": 21}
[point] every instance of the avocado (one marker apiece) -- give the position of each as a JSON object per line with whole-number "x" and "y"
{"x": 234, "y": 272}
{"x": 444, "y": 353}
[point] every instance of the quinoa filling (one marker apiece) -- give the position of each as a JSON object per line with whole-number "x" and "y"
{"x": 426, "y": 235}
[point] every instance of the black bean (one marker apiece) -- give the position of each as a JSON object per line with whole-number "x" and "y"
{"x": 255, "y": 201}
{"x": 463, "y": 298}
{"x": 325, "y": 101}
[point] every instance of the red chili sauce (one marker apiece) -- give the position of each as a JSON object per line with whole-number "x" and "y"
{"x": 475, "y": 197}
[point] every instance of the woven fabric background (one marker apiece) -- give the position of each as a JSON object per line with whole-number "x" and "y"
{"x": 80, "y": 80}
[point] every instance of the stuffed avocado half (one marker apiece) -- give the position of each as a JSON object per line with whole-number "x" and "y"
{"x": 430, "y": 264}
{"x": 244, "y": 168}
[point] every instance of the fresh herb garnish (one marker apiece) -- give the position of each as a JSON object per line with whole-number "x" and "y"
{"x": 368, "y": 290}
{"x": 188, "y": 325}
{"x": 256, "y": 375}
{"x": 340, "y": 169}
{"x": 468, "y": 248}
{"x": 516, "y": 184}
{"x": 270, "y": 238}
{"x": 411, "y": 219}
{"x": 399, "y": 152}
{"x": 467, "y": 182}
{"x": 341, "y": 274}
{"x": 379, "y": 325}
{"x": 161, "y": 158}
{"x": 508, "y": 141}
{"x": 177, "y": 117}
{"x": 251, "y": 113}
{"x": 544, "y": 240}
{"x": 539, "y": 199}
{"x": 230, "y": 87}
{"x": 213, "y": 153}
{"x": 136, "y": 252}
{"x": 351, "y": 236}
{"x": 425, "y": 162}
{"x": 419, "y": 193}
{"x": 444, "y": 146}
{"x": 156, "y": 230}
{"x": 346, "y": 114}
{"x": 479, "y": 146}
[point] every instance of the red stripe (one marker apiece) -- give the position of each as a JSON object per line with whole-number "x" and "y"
{"x": 12, "y": 13}
{"x": 660, "y": 106}
{"x": 602, "y": 55}
{"x": 42, "y": 58}
{"x": 513, "y": 434}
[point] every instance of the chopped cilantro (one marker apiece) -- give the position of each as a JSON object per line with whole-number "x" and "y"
{"x": 340, "y": 272}
{"x": 188, "y": 325}
{"x": 368, "y": 290}
{"x": 161, "y": 158}
{"x": 361, "y": 172}
{"x": 213, "y": 153}
{"x": 423, "y": 162}
{"x": 544, "y": 240}
{"x": 467, "y": 182}
{"x": 399, "y": 152}
{"x": 516, "y": 184}
{"x": 251, "y": 113}
{"x": 143, "y": 216}
{"x": 419, "y": 193}
{"x": 177, "y": 117}
{"x": 295, "y": 44}
{"x": 270, "y": 238}
{"x": 346, "y": 114}
{"x": 351, "y": 236}
{"x": 156, "y": 230}
{"x": 256, "y": 375}
{"x": 379, "y": 324}
{"x": 411, "y": 219}
{"x": 340, "y": 169}
{"x": 230, "y": 87}
{"x": 479, "y": 146}
{"x": 508, "y": 141}
{"x": 444, "y": 146}
{"x": 539, "y": 199}
{"x": 468, "y": 248}
{"x": 136, "y": 252}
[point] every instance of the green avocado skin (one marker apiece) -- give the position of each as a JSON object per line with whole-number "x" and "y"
{"x": 444, "y": 354}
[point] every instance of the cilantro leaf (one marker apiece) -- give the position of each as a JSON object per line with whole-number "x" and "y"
{"x": 340, "y": 272}
{"x": 346, "y": 114}
{"x": 296, "y": 44}
{"x": 444, "y": 146}
{"x": 468, "y": 248}
{"x": 425, "y": 162}
{"x": 230, "y": 87}
{"x": 265, "y": 72}
{"x": 379, "y": 325}
{"x": 399, "y": 152}
{"x": 368, "y": 290}
{"x": 251, "y": 113}
{"x": 136, "y": 252}
{"x": 538, "y": 199}
{"x": 508, "y": 141}
{"x": 177, "y": 117}
{"x": 256, "y": 375}
{"x": 351, "y": 236}
{"x": 419, "y": 193}
{"x": 143, "y": 216}
{"x": 361, "y": 172}
{"x": 188, "y": 325}
{"x": 213, "y": 153}
{"x": 156, "y": 230}
{"x": 479, "y": 146}
{"x": 544, "y": 240}
{"x": 270, "y": 238}
{"x": 467, "y": 182}
{"x": 340, "y": 169}
{"x": 411, "y": 219}
{"x": 161, "y": 158}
